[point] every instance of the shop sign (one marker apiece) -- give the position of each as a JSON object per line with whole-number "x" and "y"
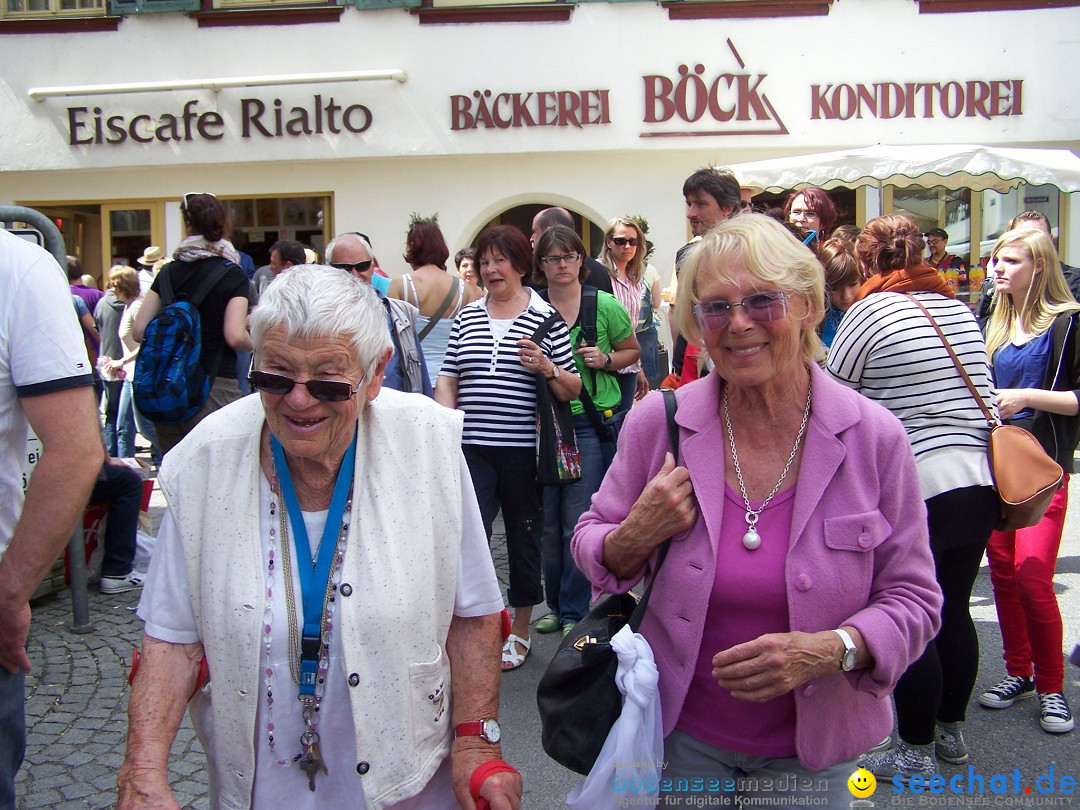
{"x": 94, "y": 126}
{"x": 732, "y": 99}
{"x": 544, "y": 108}
{"x": 953, "y": 99}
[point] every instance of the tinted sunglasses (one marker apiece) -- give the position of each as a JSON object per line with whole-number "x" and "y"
{"x": 355, "y": 267}
{"x": 715, "y": 316}
{"x": 623, "y": 241}
{"x": 323, "y": 390}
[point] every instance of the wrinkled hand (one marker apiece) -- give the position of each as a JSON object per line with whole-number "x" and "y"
{"x": 1011, "y": 401}
{"x": 14, "y": 626}
{"x": 642, "y": 386}
{"x": 144, "y": 789}
{"x": 666, "y": 506}
{"x": 772, "y": 665}
{"x": 533, "y": 358}
{"x": 501, "y": 790}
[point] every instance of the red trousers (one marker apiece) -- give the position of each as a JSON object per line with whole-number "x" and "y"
{"x": 1022, "y": 571}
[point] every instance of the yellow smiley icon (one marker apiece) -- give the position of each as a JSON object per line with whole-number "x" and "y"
{"x": 862, "y": 783}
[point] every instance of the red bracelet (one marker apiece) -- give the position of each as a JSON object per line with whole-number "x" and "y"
{"x": 480, "y": 775}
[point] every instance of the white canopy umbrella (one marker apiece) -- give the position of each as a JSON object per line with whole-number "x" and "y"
{"x": 950, "y": 165}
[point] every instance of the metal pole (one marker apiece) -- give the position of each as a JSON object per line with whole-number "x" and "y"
{"x": 80, "y": 605}
{"x": 54, "y": 243}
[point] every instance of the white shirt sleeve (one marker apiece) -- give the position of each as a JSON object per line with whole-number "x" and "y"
{"x": 477, "y": 587}
{"x": 165, "y": 606}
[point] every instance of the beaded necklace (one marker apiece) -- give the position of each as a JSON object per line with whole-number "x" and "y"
{"x": 279, "y": 517}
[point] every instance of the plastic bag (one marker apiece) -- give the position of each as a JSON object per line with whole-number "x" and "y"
{"x": 629, "y": 765}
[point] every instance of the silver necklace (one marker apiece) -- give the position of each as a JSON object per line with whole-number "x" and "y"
{"x": 752, "y": 539}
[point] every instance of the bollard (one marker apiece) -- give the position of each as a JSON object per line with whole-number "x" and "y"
{"x": 80, "y": 606}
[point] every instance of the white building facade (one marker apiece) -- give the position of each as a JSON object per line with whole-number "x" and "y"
{"x": 315, "y": 119}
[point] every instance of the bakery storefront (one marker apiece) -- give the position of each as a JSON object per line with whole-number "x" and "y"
{"x": 314, "y": 126}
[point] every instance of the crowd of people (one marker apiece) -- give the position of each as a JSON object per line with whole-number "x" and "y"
{"x": 828, "y": 508}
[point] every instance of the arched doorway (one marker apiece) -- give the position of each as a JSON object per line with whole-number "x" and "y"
{"x": 521, "y": 217}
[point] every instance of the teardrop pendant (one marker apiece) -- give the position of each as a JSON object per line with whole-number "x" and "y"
{"x": 751, "y": 540}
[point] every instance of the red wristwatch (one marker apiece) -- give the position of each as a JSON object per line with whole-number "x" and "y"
{"x": 487, "y": 730}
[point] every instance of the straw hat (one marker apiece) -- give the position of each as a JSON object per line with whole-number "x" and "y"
{"x": 151, "y": 256}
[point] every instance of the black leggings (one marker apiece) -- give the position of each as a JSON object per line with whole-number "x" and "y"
{"x": 939, "y": 684}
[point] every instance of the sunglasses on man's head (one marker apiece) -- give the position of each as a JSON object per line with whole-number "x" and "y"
{"x": 623, "y": 241}
{"x": 279, "y": 385}
{"x": 715, "y": 316}
{"x": 354, "y": 267}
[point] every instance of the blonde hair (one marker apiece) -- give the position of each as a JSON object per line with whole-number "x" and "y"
{"x": 126, "y": 279}
{"x": 1048, "y": 295}
{"x": 635, "y": 268}
{"x": 770, "y": 252}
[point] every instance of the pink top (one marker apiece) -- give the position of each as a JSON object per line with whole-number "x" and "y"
{"x": 629, "y": 296}
{"x": 748, "y": 599}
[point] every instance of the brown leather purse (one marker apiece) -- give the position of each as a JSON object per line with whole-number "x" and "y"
{"x": 1025, "y": 477}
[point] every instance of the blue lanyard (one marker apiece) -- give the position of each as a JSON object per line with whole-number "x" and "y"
{"x": 313, "y": 579}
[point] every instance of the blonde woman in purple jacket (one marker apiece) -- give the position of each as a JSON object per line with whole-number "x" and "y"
{"x": 799, "y": 584}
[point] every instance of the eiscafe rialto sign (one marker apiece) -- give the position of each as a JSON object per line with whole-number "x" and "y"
{"x": 258, "y": 119}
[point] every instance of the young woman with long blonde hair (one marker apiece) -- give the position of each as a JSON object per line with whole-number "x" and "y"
{"x": 1034, "y": 346}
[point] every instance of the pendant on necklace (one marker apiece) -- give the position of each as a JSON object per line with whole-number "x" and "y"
{"x": 751, "y": 539}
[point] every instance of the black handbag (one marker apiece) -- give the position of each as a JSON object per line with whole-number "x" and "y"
{"x": 558, "y": 460}
{"x": 577, "y": 696}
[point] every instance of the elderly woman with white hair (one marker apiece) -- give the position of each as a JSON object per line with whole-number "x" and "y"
{"x": 332, "y": 625}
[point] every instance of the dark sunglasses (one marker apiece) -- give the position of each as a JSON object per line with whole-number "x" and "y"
{"x": 355, "y": 267}
{"x": 623, "y": 241}
{"x": 323, "y": 390}
{"x": 715, "y": 316}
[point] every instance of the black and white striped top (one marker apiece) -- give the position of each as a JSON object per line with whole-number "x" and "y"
{"x": 886, "y": 349}
{"x": 497, "y": 393}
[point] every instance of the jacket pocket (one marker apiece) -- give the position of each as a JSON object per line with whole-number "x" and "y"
{"x": 429, "y": 698}
{"x": 854, "y": 537}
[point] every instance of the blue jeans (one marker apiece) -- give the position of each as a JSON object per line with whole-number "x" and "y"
{"x": 125, "y": 422}
{"x": 627, "y": 389}
{"x": 567, "y": 589}
{"x": 122, "y": 488}
{"x": 139, "y": 423}
{"x": 12, "y": 733}
{"x": 649, "y": 340}
{"x": 111, "y": 405}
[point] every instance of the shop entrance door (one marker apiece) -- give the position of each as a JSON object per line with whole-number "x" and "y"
{"x": 128, "y": 229}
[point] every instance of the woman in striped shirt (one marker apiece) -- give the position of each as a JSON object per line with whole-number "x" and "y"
{"x": 490, "y": 373}
{"x": 888, "y": 350}
{"x": 624, "y": 258}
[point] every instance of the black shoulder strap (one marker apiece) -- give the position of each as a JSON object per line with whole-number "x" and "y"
{"x": 545, "y": 327}
{"x": 587, "y": 315}
{"x": 671, "y": 406}
{"x": 445, "y": 305}
{"x": 210, "y": 280}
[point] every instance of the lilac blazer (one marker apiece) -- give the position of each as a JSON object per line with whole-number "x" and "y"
{"x": 858, "y": 554}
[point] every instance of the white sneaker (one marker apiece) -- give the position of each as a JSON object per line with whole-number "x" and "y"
{"x": 1054, "y": 714}
{"x": 128, "y": 582}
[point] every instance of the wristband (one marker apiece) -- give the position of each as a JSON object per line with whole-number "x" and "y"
{"x": 480, "y": 775}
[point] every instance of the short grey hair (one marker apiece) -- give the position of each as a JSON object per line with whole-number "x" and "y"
{"x": 347, "y": 237}
{"x": 312, "y": 301}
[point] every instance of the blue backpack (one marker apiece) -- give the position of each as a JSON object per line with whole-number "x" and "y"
{"x": 170, "y": 385}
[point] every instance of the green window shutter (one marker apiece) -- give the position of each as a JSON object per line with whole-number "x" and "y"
{"x": 151, "y": 6}
{"x": 375, "y": 4}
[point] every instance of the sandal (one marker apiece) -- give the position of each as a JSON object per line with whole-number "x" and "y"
{"x": 511, "y": 659}
{"x": 547, "y": 624}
